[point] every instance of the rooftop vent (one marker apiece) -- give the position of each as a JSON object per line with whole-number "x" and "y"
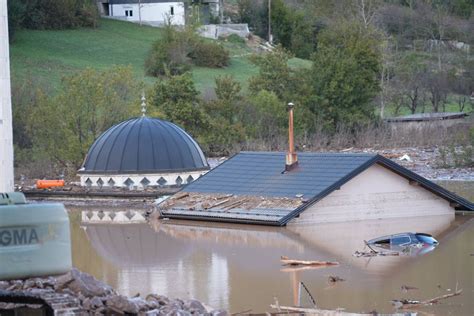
{"x": 291, "y": 157}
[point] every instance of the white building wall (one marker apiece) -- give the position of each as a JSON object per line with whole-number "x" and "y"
{"x": 150, "y": 12}
{"x": 120, "y": 179}
{"x": 376, "y": 193}
{"x": 6, "y": 134}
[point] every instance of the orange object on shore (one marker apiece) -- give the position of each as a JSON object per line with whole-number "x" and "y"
{"x": 46, "y": 184}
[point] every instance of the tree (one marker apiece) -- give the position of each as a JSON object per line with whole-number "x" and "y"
{"x": 16, "y": 13}
{"x": 178, "y": 101}
{"x": 89, "y": 102}
{"x": 228, "y": 98}
{"x": 226, "y": 129}
{"x": 345, "y": 76}
{"x": 411, "y": 74}
{"x": 437, "y": 84}
{"x": 282, "y": 21}
{"x": 57, "y": 14}
{"x": 274, "y": 74}
{"x": 268, "y": 120}
{"x": 255, "y": 14}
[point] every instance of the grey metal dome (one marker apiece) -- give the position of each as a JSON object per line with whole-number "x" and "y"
{"x": 144, "y": 145}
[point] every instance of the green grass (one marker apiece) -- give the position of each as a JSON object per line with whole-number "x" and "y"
{"x": 47, "y": 56}
{"x": 50, "y": 55}
{"x": 451, "y": 106}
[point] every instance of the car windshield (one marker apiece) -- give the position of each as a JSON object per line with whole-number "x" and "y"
{"x": 401, "y": 240}
{"x": 426, "y": 239}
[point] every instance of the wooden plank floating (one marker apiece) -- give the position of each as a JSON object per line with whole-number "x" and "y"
{"x": 409, "y": 304}
{"x": 316, "y": 311}
{"x": 294, "y": 262}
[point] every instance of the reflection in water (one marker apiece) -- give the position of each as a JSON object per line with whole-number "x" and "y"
{"x": 237, "y": 266}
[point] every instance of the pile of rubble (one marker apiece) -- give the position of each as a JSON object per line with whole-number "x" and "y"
{"x": 81, "y": 294}
{"x": 204, "y": 201}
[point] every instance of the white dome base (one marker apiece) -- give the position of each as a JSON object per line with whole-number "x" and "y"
{"x": 139, "y": 181}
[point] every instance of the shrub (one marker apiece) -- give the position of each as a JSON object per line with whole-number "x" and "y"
{"x": 169, "y": 55}
{"x": 56, "y": 14}
{"x": 209, "y": 54}
{"x": 167, "y": 58}
{"x": 178, "y": 50}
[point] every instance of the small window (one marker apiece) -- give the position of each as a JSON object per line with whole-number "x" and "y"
{"x": 131, "y": 13}
{"x": 171, "y": 10}
{"x": 383, "y": 241}
{"x": 128, "y": 12}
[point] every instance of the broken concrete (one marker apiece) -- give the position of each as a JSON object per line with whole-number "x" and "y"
{"x": 91, "y": 296}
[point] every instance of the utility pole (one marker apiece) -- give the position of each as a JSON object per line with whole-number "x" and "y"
{"x": 221, "y": 11}
{"x": 6, "y": 132}
{"x": 270, "y": 39}
{"x": 140, "y": 12}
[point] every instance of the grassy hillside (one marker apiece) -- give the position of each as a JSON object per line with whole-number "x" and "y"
{"x": 47, "y": 56}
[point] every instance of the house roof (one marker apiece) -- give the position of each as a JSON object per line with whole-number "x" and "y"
{"x": 259, "y": 191}
{"x": 419, "y": 117}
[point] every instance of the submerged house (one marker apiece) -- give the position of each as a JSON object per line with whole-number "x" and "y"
{"x": 276, "y": 188}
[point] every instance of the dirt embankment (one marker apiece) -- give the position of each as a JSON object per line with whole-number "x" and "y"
{"x": 424, "y": 161}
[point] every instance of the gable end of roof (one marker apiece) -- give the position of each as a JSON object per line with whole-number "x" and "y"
{"x": 459, "y": 202}
{"x": 327, "y": 191}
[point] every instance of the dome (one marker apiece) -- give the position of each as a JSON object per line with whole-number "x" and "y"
{"x": 142, "y": 146}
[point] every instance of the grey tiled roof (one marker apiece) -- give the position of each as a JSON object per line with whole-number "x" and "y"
{"x": 317, "y": 175}
{"x": 261, "y": 173}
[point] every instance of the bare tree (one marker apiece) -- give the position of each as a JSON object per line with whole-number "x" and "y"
{"x": 436, "y": 84}
{"x": 367, "y": 10}
{"x": 386, "y": 64}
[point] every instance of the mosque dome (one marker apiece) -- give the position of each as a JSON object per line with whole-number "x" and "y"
{"x": 148, "y": 150}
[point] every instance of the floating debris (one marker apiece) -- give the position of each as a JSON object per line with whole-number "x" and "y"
{"x": 406, "y": 288}
{"x": 294, "y": 262}
{"x": 373, "y": 253}
{"x": 332, "y": 279}
{"x": 408, "y": 304}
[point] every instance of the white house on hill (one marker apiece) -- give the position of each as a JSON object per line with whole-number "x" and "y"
{"x": 154, "y": 12}
{"x": 146, "y": 11}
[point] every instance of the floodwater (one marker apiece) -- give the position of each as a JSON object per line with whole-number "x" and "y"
{"x": 237, "y": 267}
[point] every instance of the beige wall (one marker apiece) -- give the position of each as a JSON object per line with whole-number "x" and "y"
{"x": 374, "y": 194}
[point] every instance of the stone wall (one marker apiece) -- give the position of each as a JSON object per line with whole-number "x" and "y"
{"x": 214, "y": 31}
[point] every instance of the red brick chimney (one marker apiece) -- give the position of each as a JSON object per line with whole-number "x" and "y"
{"x": 291, "y": 157}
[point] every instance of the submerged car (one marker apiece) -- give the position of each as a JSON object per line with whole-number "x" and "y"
{"x": 411, "y": 244}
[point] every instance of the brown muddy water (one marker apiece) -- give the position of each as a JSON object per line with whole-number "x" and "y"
{"x": 237, "y": 267}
